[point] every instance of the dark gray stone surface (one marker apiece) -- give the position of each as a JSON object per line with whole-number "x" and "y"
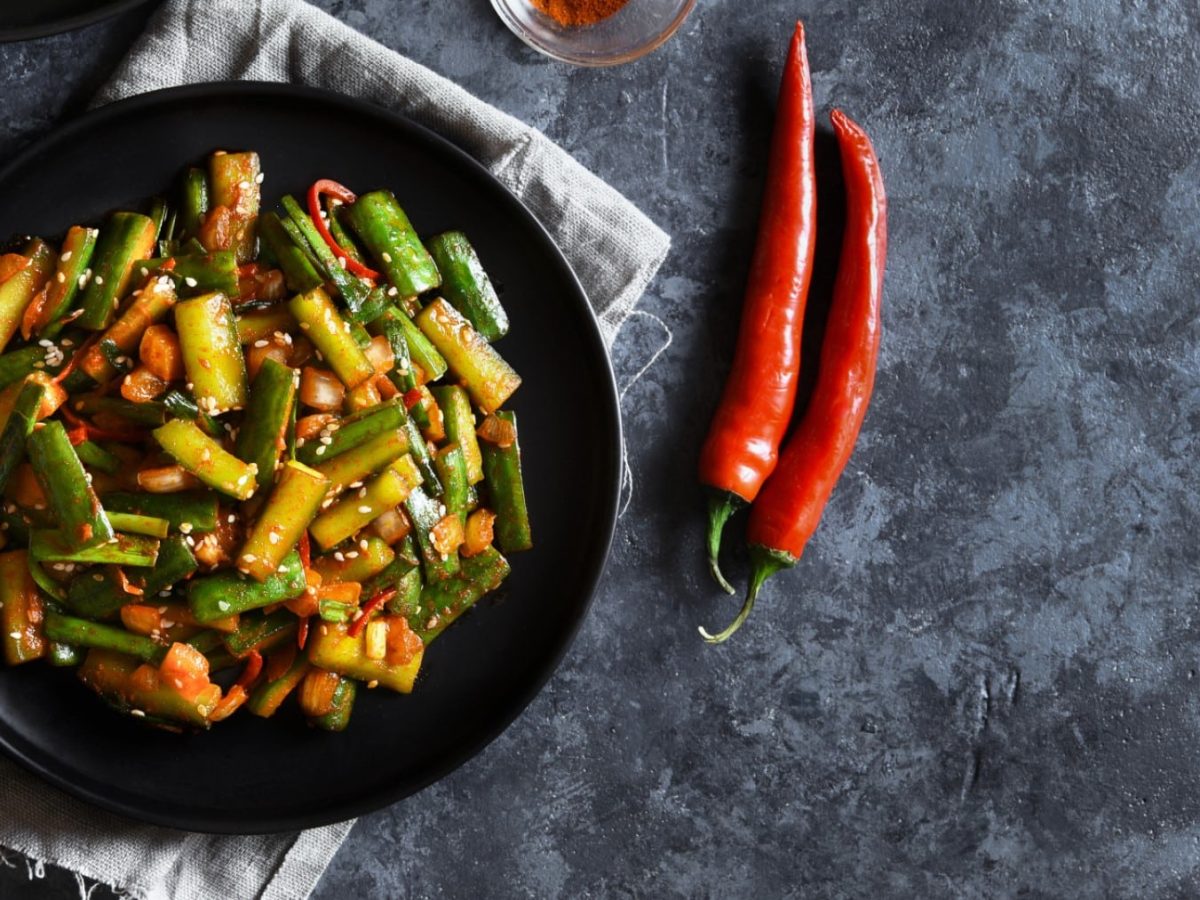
{"x": 981, "y": 679}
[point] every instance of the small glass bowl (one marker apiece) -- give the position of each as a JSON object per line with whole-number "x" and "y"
{"x": 633, "y": 31}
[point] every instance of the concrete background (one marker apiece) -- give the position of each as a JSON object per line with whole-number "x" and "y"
{"x": 981, "y": 679}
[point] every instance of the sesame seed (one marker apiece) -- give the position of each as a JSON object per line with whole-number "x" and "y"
{"x": 138, "y": 713}
{"x": 61, "y": 277}
{"x": 321, "y": 450}
{"x": 364, "y": 509}
{"x": 260, "y": 344}
{"x": 386, "y": 257}
{"x": 99, "y": 279}
{"x": 258, "y": 179}
{"x": 190, "y": 281}
{"x": 392, "y": 292}
{"x": 185, "y": 527}
{"x": 66, "y": 256}
{"x": 273, "y": 538}
{"x": 231, "y": 518}
{"x": 339, "y": 556}
{"x": 249, "y": 558}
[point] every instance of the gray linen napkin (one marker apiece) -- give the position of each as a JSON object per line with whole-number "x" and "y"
{"x": 614, "y": 249}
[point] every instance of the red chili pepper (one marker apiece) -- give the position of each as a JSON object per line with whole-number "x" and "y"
{"x": 786, "y": 513}
{"x": 304, "y": 548}
{"x": 412, "y": 398}
{"x": 338, "y": 192}
{"x": 77, "y": 435}
{"x": 253, "y": 666}
{"x": 743, "y": 441}
{"x": 302, "y": 632}
{"x": 168, "y": 266}
{"x": 369, "y": 610}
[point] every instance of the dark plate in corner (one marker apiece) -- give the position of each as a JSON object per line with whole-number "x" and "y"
{"x": 39, "y": 18}
{"x": 249, "y": 775}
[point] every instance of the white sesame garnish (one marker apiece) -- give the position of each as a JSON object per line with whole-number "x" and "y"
{"x": 60, "y": 277}
{"x": 223, "y": 605}
{"x": 339, "y": 556}
{"x": 185, "y": 527}
{"x": 364, "y": 509}
{"x": 99, "y": 279}
{"x": 273, "y": 538}
{"x": 190, "y": 282}
{"x": 321, "y": 450}
{"x": 260, "y": 344}
{"x": 66, "y": 256}
{"x": 386, "y": 257}
{"x": 138, "y": 713}
{"x": 249, "y": 558}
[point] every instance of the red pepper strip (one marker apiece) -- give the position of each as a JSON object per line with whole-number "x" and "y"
{"x": 304, "y": 548}
{"x": 168, "y": 266}
{"x": 101, "y": 434}
{"x": 77, "y": 357}
{"x": 369, "y": 610}
{"x": 338, "y": 192}
{"x": 254, "y": 665}
{"x": 125, "y": 585}
{"x": 787, "y": 511}
{"x": 77, "y": 435}
{"x": 743, "y": 441}
{"x": 302, "y": 633}
{"x": 412, "y": 398}
{"x": 229, "y": 704}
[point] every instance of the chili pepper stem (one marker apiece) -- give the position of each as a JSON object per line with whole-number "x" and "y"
{"x": 765, "y": 563}
{"x": 721, "y": 505}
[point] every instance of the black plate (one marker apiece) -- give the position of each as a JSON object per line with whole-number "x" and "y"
{"x": 21, "y": 21}
{"x": 250, "y": 775}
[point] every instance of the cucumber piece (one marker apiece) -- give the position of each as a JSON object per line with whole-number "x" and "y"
{"x": 466, "y": 285}
{"x": 18, "y": 291}
{"x": 393, "y": 243}
{"x": 125, "y": 238}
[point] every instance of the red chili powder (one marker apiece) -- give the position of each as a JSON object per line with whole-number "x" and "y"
{"x": 578, "y": 12}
